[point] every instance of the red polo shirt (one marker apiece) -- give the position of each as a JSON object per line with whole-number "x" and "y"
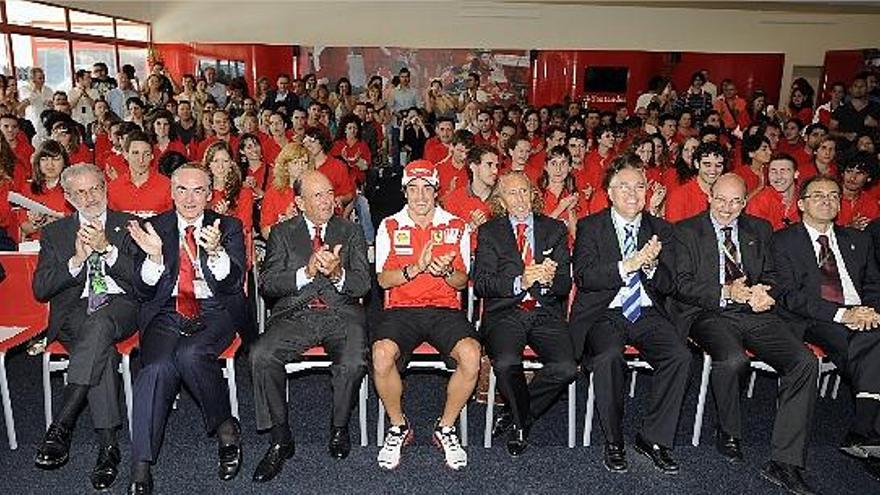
{"x": 686, "y": 201}
{"x": 275, "y": 203}
{"x": 152, "y": 197}
{"x": 863, "y": 206}
{"x": 338, "y": 175}
{"x": 768, "y": 205}
{"x": 435, "y": 151}
{"x": 447, "y": 171}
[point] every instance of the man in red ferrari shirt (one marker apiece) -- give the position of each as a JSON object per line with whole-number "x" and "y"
{"x": 778, "y": 203}
{"x": 453, "y": 170}
{"x": 439, "y": 146}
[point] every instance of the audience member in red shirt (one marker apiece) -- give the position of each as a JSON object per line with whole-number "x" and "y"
{"x": 317, "y": 144}
{"x": 814, "y": 134}
{"x": 142, "y": 190}
{"x": 351, "y": 149}
{"x": 800, "y": 107}
{"x": 731, "y": 107}
{"x": 650, "y": 149}
{"x": 562, "y": 199}
{"x": 823, "y": 160}
{"x": 519, "y": 149}
{"x": 471, "y": 203}
{"x": 486, "y": 128}
{"x": 684, "y": 165}
{"x": 773, "y": 133}
{"x": 8, "y": 170}
{"x": 577, "y": 148}
{"x": 257, "y": 171}
{"x": 67, "y": 134}
{"x": 453, "y": 170}
{"x": 506, "y": 132}
{"x": 229, "y": 197}
{"x": 553, "y": 136}
{"x": 756, "y": 154}
{"x": 278, "y": 203}
{"x": 164, "y": 135}
{"x": 47, "y": 163}
{"x": 531, "y": 127}
{"x": 791, "y": 137}
{"x": 778, "y": 204}
{"x": 668, "y": 129}
{"x": 439, "y": 146}
{"x": 692, "y": 197}
{"x": 599, "y": 159}
{"x": 686, "y": 127}
{"x": 857, "y": 208}
{"x": 277, "y": 137}
{"x": 222, "y": 132}
{"x": 20, "y": 147}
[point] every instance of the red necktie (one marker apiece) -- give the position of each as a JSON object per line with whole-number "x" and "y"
{"x": 522, "y": 243}
{"x": 317, "y": 244}
{"x": 187, "y": 305}
{"x": 831, "y": 288}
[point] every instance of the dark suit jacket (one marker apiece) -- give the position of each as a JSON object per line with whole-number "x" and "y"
{"x": 289, "y": 249}
{"x": 52, "y": 281}
{"x": 596, "y": 255}
{"x": 498, "y": 262}
{"x": 289, "y": 103}
{"x": 698, "y": 263}
{"x": 799, "y": 271}
{"x": 229, "y": 291}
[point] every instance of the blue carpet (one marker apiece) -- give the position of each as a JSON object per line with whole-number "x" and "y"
{"x": 188, "y": 458}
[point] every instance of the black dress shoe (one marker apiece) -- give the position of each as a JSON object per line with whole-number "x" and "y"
{"x": 106, "y": 468}
{"x": 615, "y": 458}
{"x": 273, "y": 461}
{"x": 141, "y": 487}
{"x": 787, "y": 477}
{"x": 503, "y": 422}
{"x": 872, "y": 467}
{"x": 728, "y": 446}
{"x": 229, "y": 456}
{"x": 54, "y": 451}
{"x": 661, "y": 456}
{"x": 340, "y": 444}
{"x": 517, "y": 442}
{"x": 860, "y": 446}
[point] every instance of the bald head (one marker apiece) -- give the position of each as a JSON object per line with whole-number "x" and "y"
{"x": 314, "y": 197}
{"x": 728, "y": 198}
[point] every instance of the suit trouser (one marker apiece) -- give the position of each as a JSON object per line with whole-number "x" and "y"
{"x": 93, "y": 361}
{"x": 725, "y": 336}
{"x": 168, "y": 359}
{"x": 507, "y": 334}
{"x": 340, "y": 332}
{"x": 857, "y": 355}
{"x": 658, "y": 342}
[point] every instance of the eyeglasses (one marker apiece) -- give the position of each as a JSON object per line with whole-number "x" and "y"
{"x": 86, "y": 193}
{"x": 818, "y": 196}
{"x": 630, "y": 188}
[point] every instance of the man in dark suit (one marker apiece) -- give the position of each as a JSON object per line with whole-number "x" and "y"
{"x": 281, "y": 97}
{"x": 522, "y": 272}
{"x": 728, "y": 287}
{"x": 624, "y": 271}
{"x": 84, "y": 271}
{"x": 192, "y": 302}
{"x": 831, "y": 283}
{"x": 315, "y": 271}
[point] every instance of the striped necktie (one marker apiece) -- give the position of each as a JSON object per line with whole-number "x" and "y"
{"x": 632, "y": 301}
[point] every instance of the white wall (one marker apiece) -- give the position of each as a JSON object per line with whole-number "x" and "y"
{"x": 803, "y": 38}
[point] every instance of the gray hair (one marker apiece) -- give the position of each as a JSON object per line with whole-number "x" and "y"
{"x": 77, "y": 171}
{"x": 191, "y": 166}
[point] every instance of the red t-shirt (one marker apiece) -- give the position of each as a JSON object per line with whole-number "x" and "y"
{"x": 491, "y": 140}
{"x": 337, "y": 173}
{"x": 152, "y": 197}
{"x": 262, "y": 175}
{"x": 864, "y": 205}
{"x": 447, "y": 171}
{"x": 435, "y": 151}
{"x": 205, "y": 143}
{"x": 275, "y": 203}
{"x": 82, "y": 155}
{"x": 350, "y": 154}
{"x": 399, "y": 242}
{"x": 176, "y": 145}
{"x": 768, "y": 205}
{"x": 244, "y": 207}
{"x": 270, "y": 147}
{"x": 23, "y": 152}
{"x": 749, "y": 176}
{"x": 8, "y": 221}
{"x": 808, "y": 170}
{"x": 785, "y": 147}
{"x": 686, "y": 201}
{"x": 52, "y": 198}
{"x": 595, "y": 166}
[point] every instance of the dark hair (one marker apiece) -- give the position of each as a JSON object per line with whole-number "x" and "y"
{"x": 710, "y": 148}
{"x": 751, "y": 144}
{"x": 622, "y": 162}
{"x": 346, "y": 119}
{"x": 568, "y": 184}
{"x": 80, "y": 74}
{"x": 134, "y": 99}
{"x": 816, "y": 125}
{"x": 860, "y": 160}
{"x": 171, "y": 161}
{"x": 136, "y": 136}
{"x": 818, "y": 178}
{"x": 318, "y": 135}
{"x": 242, "y": 142}
{"x": 160, "y": 113}
{"x": 785, "y": 157}
{"x": 476, "y": 152}
{"x": 7, "y": 158}
{"x": 463, "y": 136}
{"x": 52, "y": 149}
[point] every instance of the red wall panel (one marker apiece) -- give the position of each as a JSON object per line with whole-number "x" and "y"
{"x": 840, "y": 65}
{"x": 557, "y": 74}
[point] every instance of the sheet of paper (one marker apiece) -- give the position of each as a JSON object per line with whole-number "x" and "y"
{"x": 35, "y": 206}
{"x": 9, "y": 332}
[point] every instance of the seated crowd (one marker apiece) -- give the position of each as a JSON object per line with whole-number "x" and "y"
{"x": 699, "y": 222}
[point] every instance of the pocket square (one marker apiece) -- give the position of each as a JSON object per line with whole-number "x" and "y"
{"x": 547, "y": 252}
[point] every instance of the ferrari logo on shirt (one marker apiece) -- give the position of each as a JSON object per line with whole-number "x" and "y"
{"x": 437, "y": 236}
{"x": 403, "y": 242}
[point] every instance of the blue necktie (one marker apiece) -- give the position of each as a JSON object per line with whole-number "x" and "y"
{"x": 632, "y": 301}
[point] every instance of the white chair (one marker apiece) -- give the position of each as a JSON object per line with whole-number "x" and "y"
{"x": 634, "y": 363}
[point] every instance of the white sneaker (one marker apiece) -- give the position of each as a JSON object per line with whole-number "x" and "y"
{"x": 446, "y": 439}
{"x": 395, "y": 438}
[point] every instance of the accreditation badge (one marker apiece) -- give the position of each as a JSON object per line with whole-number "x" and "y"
{"x": 402, "y": 242}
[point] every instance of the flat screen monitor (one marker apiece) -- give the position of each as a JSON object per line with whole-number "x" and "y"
{"x": 606, "y": 79}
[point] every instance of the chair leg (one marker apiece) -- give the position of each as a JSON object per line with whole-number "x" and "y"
{"x": 632, "y": 383}
{"x": 233, "y": 391}
{"x": 822, "y": 383}
{"x": 362, "y": 411}
{"x": 751, "y": 389}
{"x": 47, "y": 390}
{"x": 836, "y": 387}
{"x": 7, "y": 404}
{"x": 127, "y": 388}
{"x": 572, "y": 413}
{"x": 490, "y": 410}
{"x": 588, "y": 417}
{"x": 463, "y": 423}
{"x": 701, "y": 400}
{"x": 380, "y": 425}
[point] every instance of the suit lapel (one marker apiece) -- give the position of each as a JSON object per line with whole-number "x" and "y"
{"x": 710, "y": 242}
{"x": 847, "y": 250}
{"x": 646, "y": 230}
{"x": 607, "y": 231}
{"x": 748, "y": 249}
{"x": 540, "y": 241}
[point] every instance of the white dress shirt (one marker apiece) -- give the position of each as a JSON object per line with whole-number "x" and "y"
{"x": 620, "y": 224}
{"x": 302, "y": 279}
{"x": 108, "y": 259}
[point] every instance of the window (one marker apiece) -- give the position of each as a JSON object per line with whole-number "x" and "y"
{"x": 227, "y": 70}
{"x": 85, "y": 23}
{"x": 136, "y": 57}
{"x": 86, "y": 54}
{"x": 5, "y": 63}
{"x": 35, "y": 15}
{"x": 130, "y": 30}
{"x": 47, "y": 53}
